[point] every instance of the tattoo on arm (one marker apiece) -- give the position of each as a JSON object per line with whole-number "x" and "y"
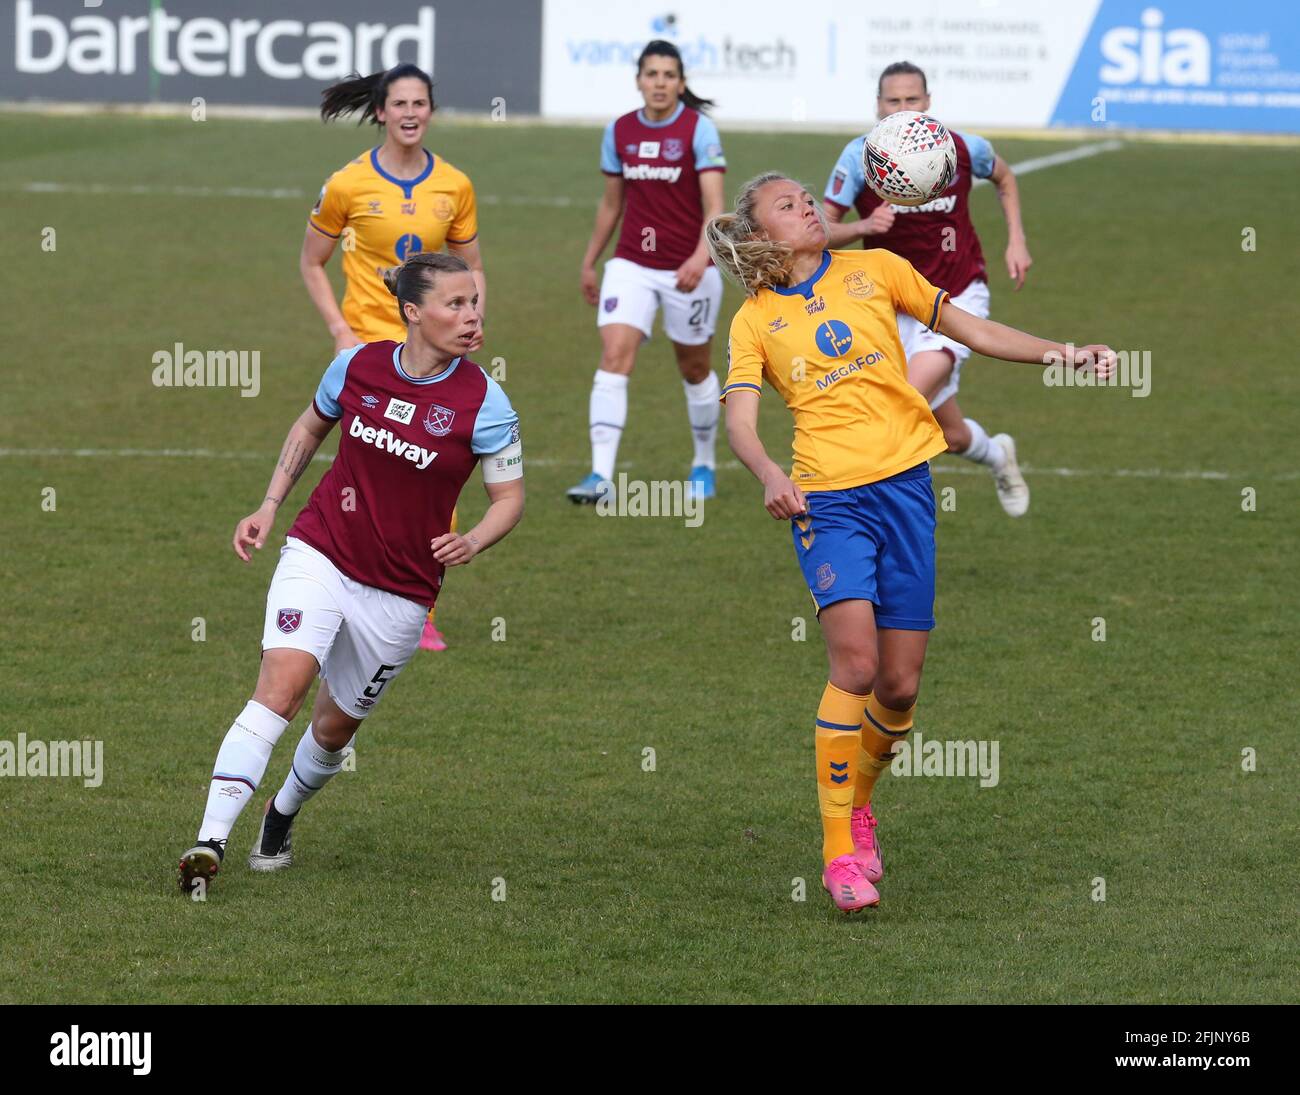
{"x": 295, "y": 457}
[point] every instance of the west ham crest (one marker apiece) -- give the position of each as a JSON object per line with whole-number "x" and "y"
{"x": 611, "y": 303}
{"x": 438, "y": 420}
{"x": 289, "y": 620}
{"x": 673, "y": 148}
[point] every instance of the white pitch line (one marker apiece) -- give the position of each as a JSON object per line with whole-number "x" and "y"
{"x": 559, "y": 201}
{"x": 173, "y": 191}
{"x": 730, "y": 465}
{"x": 1067, "y": 155}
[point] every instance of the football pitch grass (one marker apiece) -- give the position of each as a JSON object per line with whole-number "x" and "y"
{"x": 516, "y": 769}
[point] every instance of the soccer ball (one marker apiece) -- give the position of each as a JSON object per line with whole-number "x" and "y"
{"x": 909, "y": 158}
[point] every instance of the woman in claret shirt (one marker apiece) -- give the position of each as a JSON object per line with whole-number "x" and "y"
{"x": 389, "y": 202}
{"x": 663, "y": 167}
{"x": 363, "y": 561}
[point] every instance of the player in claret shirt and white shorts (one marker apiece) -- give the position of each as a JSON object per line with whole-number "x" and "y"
{"x": 663, "y": 167}
{"x": 938, "y": 239}
{"x": 364, "y": 560}
{"x": 391, "y": 201}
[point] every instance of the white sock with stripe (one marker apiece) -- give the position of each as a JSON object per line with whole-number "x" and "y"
{"x": 241, "y": 763}
{"x": 703, "y": 408}
{"x": 313, "y": 767}
{"x": 608, "y": 416}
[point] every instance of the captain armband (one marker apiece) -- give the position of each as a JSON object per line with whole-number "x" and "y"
{"x": 503, "y": 466}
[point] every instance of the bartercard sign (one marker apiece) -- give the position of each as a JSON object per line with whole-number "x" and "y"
{"x": 272, "y": 54}
{"x": 1167, "y": 64}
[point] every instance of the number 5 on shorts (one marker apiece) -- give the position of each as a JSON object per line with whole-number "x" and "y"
{"x": 380, "y": 680}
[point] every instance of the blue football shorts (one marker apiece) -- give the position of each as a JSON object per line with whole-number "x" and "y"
{"x": 873, "y": 543}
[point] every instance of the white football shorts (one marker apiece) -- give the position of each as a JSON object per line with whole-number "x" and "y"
{"x": 360, "y": 636}
{"x": 631, "y": 294}
{"x": 917, "y": 337}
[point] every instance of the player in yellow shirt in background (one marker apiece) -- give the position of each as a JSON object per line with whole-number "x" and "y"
{"x": 391, "y": 202}
{"x": 819, "y": 326}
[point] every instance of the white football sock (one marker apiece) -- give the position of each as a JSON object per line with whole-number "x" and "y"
{"x": 702, "y": 408}
{"x": 241, "y": 763}
{"x": 608, "y": 417}
{"x": 982, "y": 449}
{"x": 313, "y": 767}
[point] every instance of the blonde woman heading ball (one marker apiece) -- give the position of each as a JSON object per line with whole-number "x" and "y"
{"x": 819, "y": 329}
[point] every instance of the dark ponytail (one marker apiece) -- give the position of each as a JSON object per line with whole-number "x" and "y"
{"x": 368, "y": 93}
{"x": 661, "y": 48}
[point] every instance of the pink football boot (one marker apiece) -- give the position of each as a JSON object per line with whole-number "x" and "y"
{"x": 865, "y": 846}
{"x": 847, "y": 884}
{"x": 431, "y": 638}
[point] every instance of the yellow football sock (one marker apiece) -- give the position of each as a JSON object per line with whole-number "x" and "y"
{"x": 882, "y": 733}
{"x": 839, "y": 730}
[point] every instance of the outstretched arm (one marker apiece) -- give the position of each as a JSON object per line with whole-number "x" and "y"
{"x": 305, "y": 437}
{"x": 984, "y": 336}
{"x": 781, "y": 497}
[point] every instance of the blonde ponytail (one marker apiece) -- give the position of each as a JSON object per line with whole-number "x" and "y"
{"x": 737, "y": 244}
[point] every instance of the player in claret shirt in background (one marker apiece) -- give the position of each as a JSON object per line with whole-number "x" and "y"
{"x": 938, "y": 239}
{"x": 393, "y": 200}
{"x": 819, "y": 326}
{"x": 364, "y": 560}
{"x": 663, "y": 167}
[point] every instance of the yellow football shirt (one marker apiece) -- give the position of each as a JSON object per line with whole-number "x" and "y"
{"x": 386, "y": 220}
{"x": 830, "y": 348}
